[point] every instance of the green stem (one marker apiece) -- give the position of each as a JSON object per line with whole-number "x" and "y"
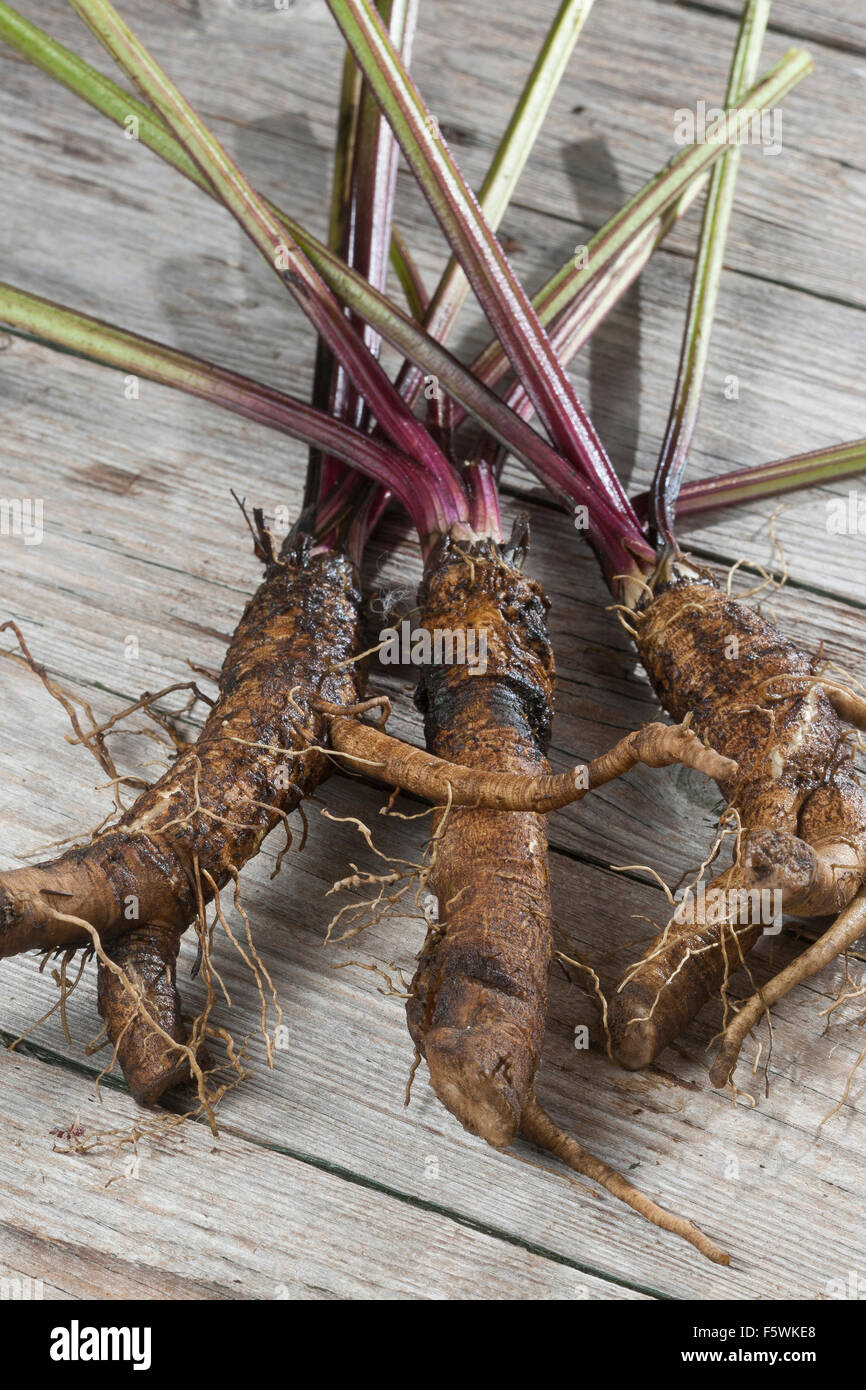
{"x": 102, "y": 342}
{"x": 325, "y": 372}
{"x": 282, "y": 253}
{"x": 557, "y": 297}
{"x": 572, "y": 328}
{"x": 704, "y": 292}
{"x": 656, "y": 197}
{"x": 506, "y": 168}
{"x": 360, "y": 230}
{"x": 407, "y": 272}
{"x": 768, "y": 479}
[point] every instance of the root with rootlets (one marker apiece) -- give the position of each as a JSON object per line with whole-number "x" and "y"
{"x": 755, "y": 697}
{"x": 849, "y": 926}
{"x": 147, "y": 958}
{"x": 478, "y": 1007}
{"x": 258, "y": 754}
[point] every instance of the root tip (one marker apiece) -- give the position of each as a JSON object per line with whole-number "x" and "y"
{"x": 722, "y": 1070}
{"x": 635, "y": 1041}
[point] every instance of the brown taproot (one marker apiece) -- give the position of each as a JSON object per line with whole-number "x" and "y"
{"x": 144, "y": 994}
{"x": 479, "y": 998}
{"x": 259, "y": 753}
{"x": 756, "y": 698}
{"x": 538, "y": 1128}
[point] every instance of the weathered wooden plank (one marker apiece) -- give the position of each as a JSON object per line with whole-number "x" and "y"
{"x": 840, "y": 25}
{"x": 256, "y": 1224}
{"x": 55, "y": 1268}
{"x": 142, "y": 540}
{"x": 612, "y": 125}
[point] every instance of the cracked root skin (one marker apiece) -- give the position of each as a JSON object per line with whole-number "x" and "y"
{"x": 798, "y": 797}
{"x": 479, "y": 1000}
{"x": 217, "y": 803}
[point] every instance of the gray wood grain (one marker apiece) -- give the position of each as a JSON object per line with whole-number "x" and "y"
{"x": 143, "y": 539}
{"x": 257, "y": 1224}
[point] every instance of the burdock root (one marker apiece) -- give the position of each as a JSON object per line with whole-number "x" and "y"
{"x": 259, "y": 753}
{"x": 756, "y": 698}
{"x": 479, "y": 997}
{"x": 478, "y": 1006}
